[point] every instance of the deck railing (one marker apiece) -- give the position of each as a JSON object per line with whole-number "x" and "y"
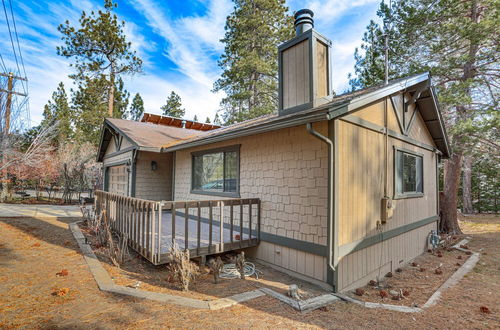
{"x": 151, "y": 226}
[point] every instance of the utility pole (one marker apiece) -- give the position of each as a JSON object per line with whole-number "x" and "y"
{"x": 8, "y": 105}
{"x": 8, "y": 110}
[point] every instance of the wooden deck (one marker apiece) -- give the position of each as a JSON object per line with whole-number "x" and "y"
{"x": 197, "y": 227}
{"x": 218, "y": 242}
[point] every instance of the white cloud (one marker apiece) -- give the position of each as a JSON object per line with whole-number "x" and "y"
{"x": 190, "y": 42}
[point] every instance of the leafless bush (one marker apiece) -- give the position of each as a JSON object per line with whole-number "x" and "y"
{"x": 117, "y": 251}
{"x": 181, "y": 266}
{"x": 240, "y": 264}
{"x": 215, "y": 265}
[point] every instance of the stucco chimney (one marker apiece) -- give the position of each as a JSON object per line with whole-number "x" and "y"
{"x": 304, "y": 67}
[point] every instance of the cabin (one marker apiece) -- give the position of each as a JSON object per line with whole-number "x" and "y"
{"x": 336, "y": 190}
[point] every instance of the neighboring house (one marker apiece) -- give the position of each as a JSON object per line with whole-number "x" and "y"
{"x": 348, "y": 184}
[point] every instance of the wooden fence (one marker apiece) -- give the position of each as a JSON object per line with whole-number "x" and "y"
{"x": 206, "y": 227}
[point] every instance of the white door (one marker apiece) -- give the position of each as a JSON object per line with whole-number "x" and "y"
{"x": 118, "y": 180}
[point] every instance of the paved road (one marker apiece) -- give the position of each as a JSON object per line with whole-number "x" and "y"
{"x": 25, "y": 210}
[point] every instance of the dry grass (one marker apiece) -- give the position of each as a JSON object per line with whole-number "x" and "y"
{"x": 28, "y": 279}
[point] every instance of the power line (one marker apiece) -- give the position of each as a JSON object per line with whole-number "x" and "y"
{"x": 10, "y": 35}
{"x": 17, "y": 40}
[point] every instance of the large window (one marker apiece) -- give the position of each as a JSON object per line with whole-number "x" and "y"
{"x": 409, "y": 176}
{"x": 216, "y": 172}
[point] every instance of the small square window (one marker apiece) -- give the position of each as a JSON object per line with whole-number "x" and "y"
{"x": 408, "y": 178}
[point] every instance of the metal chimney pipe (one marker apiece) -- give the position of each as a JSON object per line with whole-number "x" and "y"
{"x": 303, "y": 21}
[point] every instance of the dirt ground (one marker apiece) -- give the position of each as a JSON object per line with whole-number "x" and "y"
{"x": 138, "y": 272}
{"x": 415, "y": 283}
{"x": 33, "y": 250}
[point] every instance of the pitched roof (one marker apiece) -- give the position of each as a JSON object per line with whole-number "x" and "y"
{"x": 153, "y": 137}
{"x": 144, "y": 136}
{"x": 338, "y": 106}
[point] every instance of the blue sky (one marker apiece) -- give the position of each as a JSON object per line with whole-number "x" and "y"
{"x": 178, "y": 41}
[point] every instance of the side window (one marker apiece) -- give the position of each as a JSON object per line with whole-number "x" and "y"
{"x": 408, "y": 174}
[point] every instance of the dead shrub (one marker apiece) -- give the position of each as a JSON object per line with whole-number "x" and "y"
{"x": 215, "y": 265}
{"x": 181, "y": 266}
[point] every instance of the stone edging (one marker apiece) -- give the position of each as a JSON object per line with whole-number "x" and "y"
{"x": 452, "y": 280}
{"x": 105, "y": 283}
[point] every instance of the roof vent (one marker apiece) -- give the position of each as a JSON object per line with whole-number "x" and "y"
{"x": 303, "y": 21}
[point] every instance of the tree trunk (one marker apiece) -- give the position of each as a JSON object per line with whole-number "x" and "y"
{"x": 467, "y": 207}
{"x": 111, "y": 96}
{"x": 449, "y": 219}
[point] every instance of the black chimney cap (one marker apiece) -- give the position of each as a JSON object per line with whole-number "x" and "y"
{"x": 303, "y": 21}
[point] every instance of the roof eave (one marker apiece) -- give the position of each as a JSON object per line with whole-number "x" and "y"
{"x": 300, "y": 119}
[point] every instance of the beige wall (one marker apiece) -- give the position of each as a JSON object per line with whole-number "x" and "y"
{"x": 358, "y": 268}
{"x": 153, "y": 185}
{"x": 361, "y": 188}
{"x": 287, "y": 170}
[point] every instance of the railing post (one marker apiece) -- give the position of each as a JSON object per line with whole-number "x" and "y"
{"x": 160, "y": 217}
{"x": 199, "y": 229}
{"x": 210, "y": 220}
{"x": 241, "y": 221}
{"x": 186, "y": 226}
{"x": 250, "y": 219}
{"x": 152, "y": 231}
{"x": 221, "y": 226}
{"x": 173, "y": 223}
{"x": 258, "y": 219}
{"x": 231, "y": 217}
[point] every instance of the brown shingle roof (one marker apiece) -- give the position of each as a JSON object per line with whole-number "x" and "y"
{"x": 149, "y": 135}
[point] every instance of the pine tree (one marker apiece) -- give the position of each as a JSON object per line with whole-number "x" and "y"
{"x": 207, "y": 121}
{"x": 454, "y": 40}
{"x": 173, "y": 107}
{"x": 195, "y": 118}
{"x": 57, "y": 110}
{"x": 89, "y": 107}
{"x": 136, "y": 108}
{"x": 250, "y": 61}
{"x": 100, "y": 47}
{"x": 217, "y": 120}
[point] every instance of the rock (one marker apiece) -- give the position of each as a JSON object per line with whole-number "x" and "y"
{"x": 414, "y": 264}
{"x": 459, "y": 257}
{"x": 484, "y": 310}
{"x": 389, "y": 274}
{"x": 399, "y": 270}
{"x": 406, "y": 293}
{"x": 468, "y": 253}
{"x": 359, "y": 292}
{"x": 394, "y": 293}
{"x": 372, "y": 283}
{"x": 422, "y": 269}
{"x": 438, "y": 271}
{"x": 293, "y": 292}
{"x": 383, "y": 294}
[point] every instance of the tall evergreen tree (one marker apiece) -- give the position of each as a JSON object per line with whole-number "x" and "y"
{"x": 207, "y": 121}
{"x": 173, "y": 107}
{"x": 195, "y": 118}
{"x": 250, "y": 61}
{"x": 57, "y": 110}
{"x": 136, "y": 108}
{"x": 90, "y": 107}
{"x": 457, "y": 41}
{"x": 217, "y": 120}
{"x": 100, "y": 47}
